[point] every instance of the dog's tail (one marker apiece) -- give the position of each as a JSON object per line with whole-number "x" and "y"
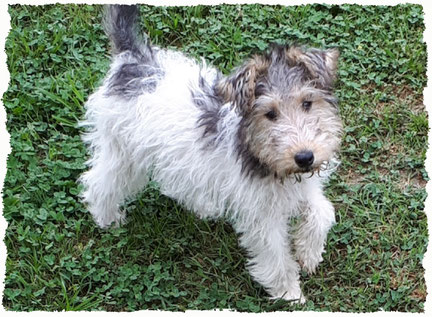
{"x": 121, "y": 26}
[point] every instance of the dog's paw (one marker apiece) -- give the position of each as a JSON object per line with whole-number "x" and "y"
{"x": 309, "y": 263}
{"x": 292, "y": 294}
{"x": 309, "y": 258}
{"x": 110, "y": 220}
{"x": 291, "y": 297}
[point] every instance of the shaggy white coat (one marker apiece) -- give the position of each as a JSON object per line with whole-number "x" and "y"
{"x": 156, "y": 135}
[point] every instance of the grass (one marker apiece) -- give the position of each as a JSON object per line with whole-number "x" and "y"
{"x": 165, "y": 258}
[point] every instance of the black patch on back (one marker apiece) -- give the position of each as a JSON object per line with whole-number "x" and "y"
{"x": 133, "y": 79}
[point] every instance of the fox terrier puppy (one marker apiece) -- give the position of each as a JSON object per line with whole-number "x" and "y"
{"x": 254, "y": 147}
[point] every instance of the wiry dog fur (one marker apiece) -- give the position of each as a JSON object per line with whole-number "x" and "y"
{"x": 254, "y": 146}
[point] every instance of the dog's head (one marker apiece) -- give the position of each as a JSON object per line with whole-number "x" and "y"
{"x": 290, "y": 122}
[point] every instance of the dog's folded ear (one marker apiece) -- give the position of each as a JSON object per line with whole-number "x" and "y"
{"x": 320, "y": 64}
{"x": 239, "y": 87}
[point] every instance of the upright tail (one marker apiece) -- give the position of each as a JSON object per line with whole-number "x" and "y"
{"x": 121, "y": 26}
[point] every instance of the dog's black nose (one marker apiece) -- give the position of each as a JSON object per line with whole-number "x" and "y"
{"x": 304, "y": 159}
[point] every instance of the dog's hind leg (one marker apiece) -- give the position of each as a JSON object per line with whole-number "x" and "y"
{"x": 111, "y": 179}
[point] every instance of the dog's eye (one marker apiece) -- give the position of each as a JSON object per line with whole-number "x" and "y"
{"x": 307, "y": 105}
{"x": 271, "y": 115}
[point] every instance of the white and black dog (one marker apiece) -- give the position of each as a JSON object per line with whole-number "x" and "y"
{"x": 254, "y": 147}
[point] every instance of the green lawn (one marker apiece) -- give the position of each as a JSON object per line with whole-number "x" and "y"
{"x": 165, "y": 258}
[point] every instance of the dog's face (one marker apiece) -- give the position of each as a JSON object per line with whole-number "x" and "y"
{"x": 290, "y": 122}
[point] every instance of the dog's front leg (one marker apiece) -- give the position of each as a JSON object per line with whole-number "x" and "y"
{"x": 271, "y": 263}
{"x": 316, "y": 218}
